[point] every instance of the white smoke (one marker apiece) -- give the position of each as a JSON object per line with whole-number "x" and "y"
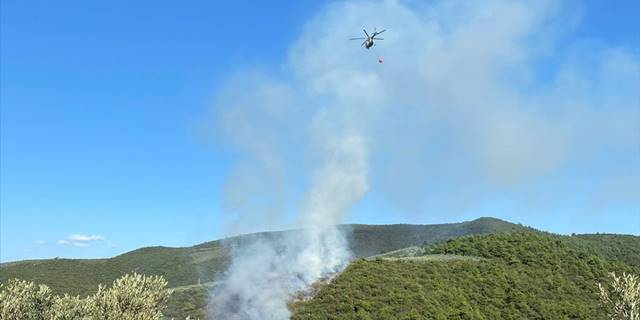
{"x": 264, "y": 276}
{"x": 456, "y": 114}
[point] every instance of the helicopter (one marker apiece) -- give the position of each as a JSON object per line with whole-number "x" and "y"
{"x": 369, "y": 40}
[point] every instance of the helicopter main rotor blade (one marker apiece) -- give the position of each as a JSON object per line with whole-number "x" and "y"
{"x": 365, "y": 32}
{"x": 363, "y": 43}
{"x": 361, "y": 38}
{"x": 379, "y": 32}
{"x": 377, "y": 38}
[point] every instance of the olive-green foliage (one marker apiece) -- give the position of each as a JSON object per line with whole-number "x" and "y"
{"x": 131, "y": 297}
{"x": 524, "y": 275}
{"x": 22, "y": 300}
{"x": 621, "y": 296}
{"x": 69, "y": 308}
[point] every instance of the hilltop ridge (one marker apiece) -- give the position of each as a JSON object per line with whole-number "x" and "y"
{"x": 446, "y": 250}
{"x": 183, "y": 266}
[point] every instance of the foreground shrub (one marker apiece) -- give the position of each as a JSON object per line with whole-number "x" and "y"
{"x": 621, "y": 296}
{"x": 69, "y": 308}
{"x": 131, "y": 297}
{"x": 22, "y": 300}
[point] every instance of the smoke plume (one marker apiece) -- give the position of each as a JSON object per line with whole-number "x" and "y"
{"x": 264, "y": 276}
{"x": 458, "y": 113}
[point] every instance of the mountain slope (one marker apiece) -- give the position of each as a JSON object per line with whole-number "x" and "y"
{"x": 203, "y": 262}
{"x": 522, "y": 275}
{"x": 427, "y": 270}
{"x": 368, "y": 240}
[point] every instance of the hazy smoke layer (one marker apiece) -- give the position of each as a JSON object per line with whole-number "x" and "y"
{"x": 475, "y": 100}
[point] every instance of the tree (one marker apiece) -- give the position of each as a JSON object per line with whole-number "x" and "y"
{"x": 621, "y": 297}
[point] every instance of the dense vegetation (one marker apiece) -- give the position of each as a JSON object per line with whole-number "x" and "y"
{"x": 524, "y": 275}
{"x": 624, "y": 248}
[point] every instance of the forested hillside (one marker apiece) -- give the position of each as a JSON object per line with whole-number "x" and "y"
{"x": 624, "y": 248}
{"x": 203, "y": 262}
{"x": 522, "y": 275}
{"x": 481, "y": 269}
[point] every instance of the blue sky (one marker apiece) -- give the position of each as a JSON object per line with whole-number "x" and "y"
{"x": 108, "y": 143}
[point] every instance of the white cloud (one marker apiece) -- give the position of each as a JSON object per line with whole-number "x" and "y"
{"x": 80, "y": 240}
{"x": 85, "y": 238}
{"x": 40, "y": 242}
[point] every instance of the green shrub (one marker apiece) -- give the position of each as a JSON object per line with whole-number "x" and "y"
{"x": 131, "y": 297}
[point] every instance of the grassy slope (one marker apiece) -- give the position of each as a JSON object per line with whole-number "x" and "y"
{"x": 524, "y": 275}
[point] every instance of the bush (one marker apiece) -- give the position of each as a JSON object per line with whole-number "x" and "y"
{"x": 69, "y": 308}
{"x": 131, "y": 297}
{"x": 22, "y": 300}
{"x": 621, "y": 297}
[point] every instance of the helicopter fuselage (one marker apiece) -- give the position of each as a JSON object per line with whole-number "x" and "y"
{"x": 369, "y": 40}
{"x": 368, "y": 44}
